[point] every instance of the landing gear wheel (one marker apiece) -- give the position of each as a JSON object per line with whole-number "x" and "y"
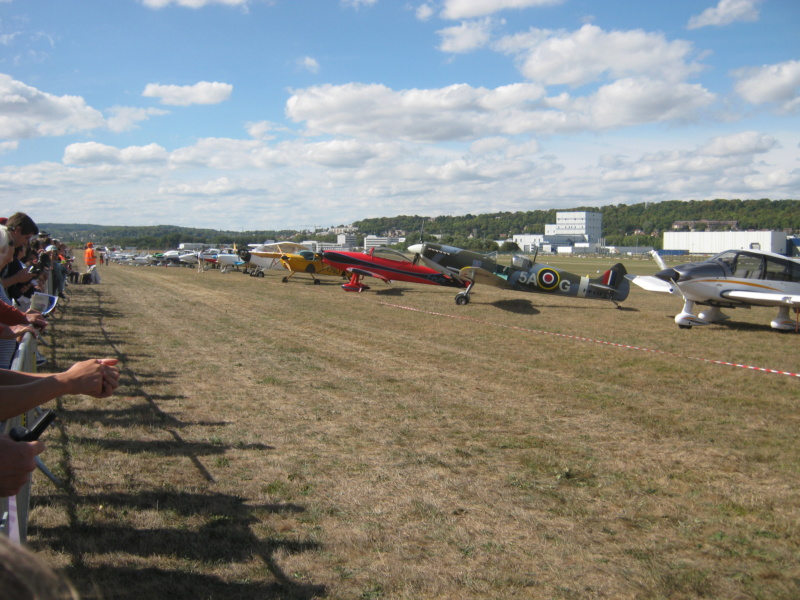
{"x": 317, "y": 282}
{"x": 684, "y": 326}
{"x": 285, "y": 280}
{"x": 462, "y": 299}
{"x": 260, "y": 274}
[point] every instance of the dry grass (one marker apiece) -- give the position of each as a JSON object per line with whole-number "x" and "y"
{"x": 292, "y": 441}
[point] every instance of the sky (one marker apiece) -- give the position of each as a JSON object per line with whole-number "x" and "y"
{"x": 248, "y": 115}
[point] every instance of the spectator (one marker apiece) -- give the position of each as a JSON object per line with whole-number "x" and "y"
{"x": 8, "y": 314}
{"x": 22, "y": 228}
{"x": 20, "y": 293}
{"x": 90, "y": 258}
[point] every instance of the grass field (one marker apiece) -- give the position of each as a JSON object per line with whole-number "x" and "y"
{"x": 276, "y": 440}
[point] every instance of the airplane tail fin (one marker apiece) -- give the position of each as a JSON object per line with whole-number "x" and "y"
{"x": 615, "y": 282}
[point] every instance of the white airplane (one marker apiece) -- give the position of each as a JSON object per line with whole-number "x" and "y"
{"x": 731, "y": 279}
{"x": 267, "y": 256}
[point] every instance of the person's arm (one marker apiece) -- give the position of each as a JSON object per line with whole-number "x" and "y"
{"x": 10, "y": 315}
{"x": 21, "y": 392}
{"x": 21, "y": 276}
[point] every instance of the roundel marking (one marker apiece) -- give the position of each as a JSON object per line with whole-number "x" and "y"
{"x": 548, "y": 279}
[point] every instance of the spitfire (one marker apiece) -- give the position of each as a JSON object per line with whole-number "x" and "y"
{"x": 524, "y": 274}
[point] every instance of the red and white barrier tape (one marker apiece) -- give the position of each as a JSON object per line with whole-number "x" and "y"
{"x": 584, "y": 339}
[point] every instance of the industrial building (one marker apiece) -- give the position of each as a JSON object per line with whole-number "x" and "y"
{"x": 714, "y": 242}
{"x": 572, "y": 231}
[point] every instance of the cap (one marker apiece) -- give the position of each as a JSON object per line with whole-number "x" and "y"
{"x": 50, "y": 248}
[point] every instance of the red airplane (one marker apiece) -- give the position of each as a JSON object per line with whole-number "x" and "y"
{"x": 388, "y": 265}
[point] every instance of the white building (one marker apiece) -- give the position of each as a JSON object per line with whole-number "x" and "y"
{"x": 528, "y": 243}
{"x": 373, "y": 241}
{"x": 714, "y": 242}
{"x": 346, "y": 240}
{"x": 588, "y": 226}
{"x": 582, "y": 230}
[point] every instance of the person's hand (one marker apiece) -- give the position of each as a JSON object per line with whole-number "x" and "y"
{"x": 16, "y": 464}
{"x": 95, "y": 377}
{"x": 36, "y": 319}
{"x": 19, "y": 331}
{"x": 110, "y": 377}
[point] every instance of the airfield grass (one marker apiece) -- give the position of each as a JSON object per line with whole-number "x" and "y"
{"x": 275, "y": 440}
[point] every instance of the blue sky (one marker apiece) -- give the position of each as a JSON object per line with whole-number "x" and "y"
{"x": 256, "y": 114}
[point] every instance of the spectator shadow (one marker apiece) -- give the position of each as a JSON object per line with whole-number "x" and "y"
{"x": 224, "y": 536}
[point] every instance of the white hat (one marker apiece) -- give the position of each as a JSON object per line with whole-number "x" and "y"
{"x": 50, "y": 248}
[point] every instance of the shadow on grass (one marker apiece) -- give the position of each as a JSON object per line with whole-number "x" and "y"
{"x": 519, "y": 306}
{"x": 176, "y": 447}
{"x": 224, "y": 537}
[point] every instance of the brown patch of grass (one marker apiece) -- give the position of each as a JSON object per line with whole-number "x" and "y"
{"x": 290, "y": 440}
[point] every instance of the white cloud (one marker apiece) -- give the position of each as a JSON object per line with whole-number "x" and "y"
{"x": 309, "y": 64}
{"x": 746, "y": 142}
{"x": 590, "y": 54}
{"x": 194, "y": 3}
{"x": 635, "y": 101}
{"x": 424, "y": 12}
{"x": 204, "y": 92}
{"x": 358, "y": 3}
{"x": 88, "y": 153}
{"x": 461, "y": 112}
{"x": 467, "y": 9}
{"x": 777, "y": 84}
{"x": 263, "y": 130}
{"x": 725, "y": 13}
{"x": 466, "y": 37}
{"x": 26, "y": 112}
{"x": 125, "y": 118}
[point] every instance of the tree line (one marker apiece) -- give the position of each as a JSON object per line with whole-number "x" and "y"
{"x": 623, "y": 225}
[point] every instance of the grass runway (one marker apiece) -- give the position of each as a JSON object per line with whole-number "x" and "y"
{"x": 276, "y": 440}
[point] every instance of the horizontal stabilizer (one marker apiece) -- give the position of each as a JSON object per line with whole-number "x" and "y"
{"x": 485, "y": 277}
{"x": 652, "y": 284}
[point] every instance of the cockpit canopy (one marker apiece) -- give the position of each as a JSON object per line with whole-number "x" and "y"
{"x": 753, "y": 265}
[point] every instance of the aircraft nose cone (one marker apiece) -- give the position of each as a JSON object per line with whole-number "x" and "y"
{"x": 415, "y": 248}
{"x": 668, "y": 275}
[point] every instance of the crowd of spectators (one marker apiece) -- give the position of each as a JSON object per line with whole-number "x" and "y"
{"x": 30, "y": 262}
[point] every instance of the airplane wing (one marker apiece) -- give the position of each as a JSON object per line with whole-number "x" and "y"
{"x": 266, "y": 254}
{"x": 485, "y": 277}
{"x": 651, "y": 284}
{"x": 367, "y": 273}
{"x": 764, "y": 298}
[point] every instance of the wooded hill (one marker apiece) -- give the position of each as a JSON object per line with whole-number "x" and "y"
{"x": 620, "y": 223}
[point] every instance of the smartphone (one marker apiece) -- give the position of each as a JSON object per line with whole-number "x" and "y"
{"x": 22, "y": 434}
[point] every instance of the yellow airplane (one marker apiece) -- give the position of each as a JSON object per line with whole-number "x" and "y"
{"x": 268, "y": 256}
{"x": 295, "y": 258}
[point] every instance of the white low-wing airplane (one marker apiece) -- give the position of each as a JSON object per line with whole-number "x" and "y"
{"x": 731, "y": 279}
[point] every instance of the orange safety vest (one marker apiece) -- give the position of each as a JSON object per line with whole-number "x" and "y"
{"x": 89, "y": 258}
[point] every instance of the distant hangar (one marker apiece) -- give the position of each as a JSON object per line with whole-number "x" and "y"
{"x": 714, "y": 242}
